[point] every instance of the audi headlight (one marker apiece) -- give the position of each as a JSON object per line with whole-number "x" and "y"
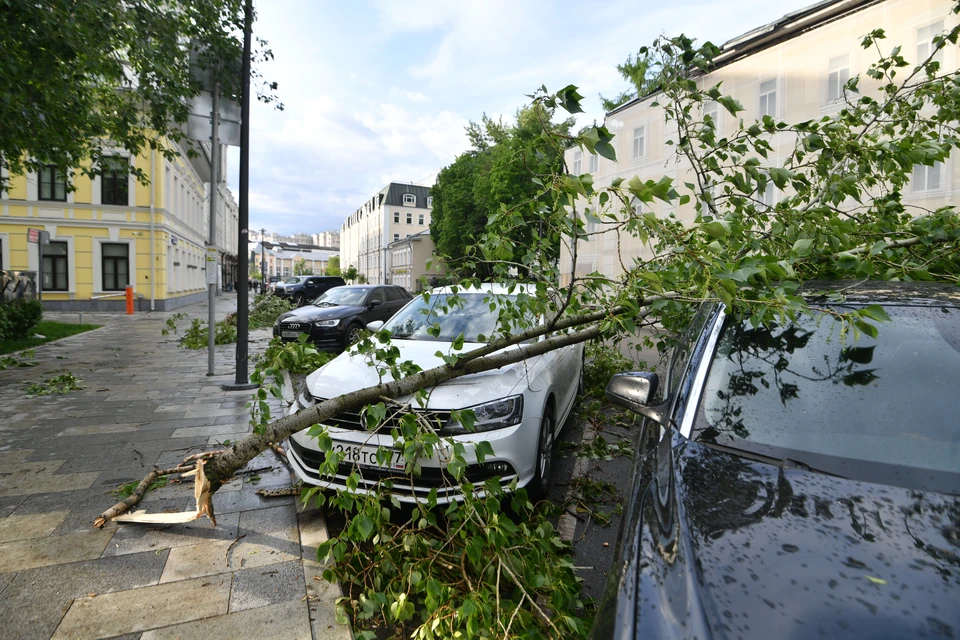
{"x": 489, "y": 416}
{"x": 327, "y": 323}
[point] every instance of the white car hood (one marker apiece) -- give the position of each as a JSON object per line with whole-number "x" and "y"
{"x": 347, "y": 373}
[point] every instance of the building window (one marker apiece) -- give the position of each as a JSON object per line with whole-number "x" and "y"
{"x": 53, "y": 184}
{"x": 925, "y": 44}
{"x": 711, "y": 110}
{"x": 409, "y": 200}
{"x": 116, "y": 266}
{"x": 768, "y": 98}
{"x": 429, "y": 201}
{"x": 577, "y": 161}
{"x": 55, "y": 267}
{"x": 639, "y": 142}
{"x": 594, "y": 163}
{"x": 396, "y": 216}
{"x": 837, "y": 77}
{"x": 396, "y": 237}
{"x": 113, "y": 181}
{"x": 637, "y": 206}
{"x": 420, "y": 219}
{"x": 409, "y": 218}
{"x": 767, "y": 196}
{"x": 926, "y": 178}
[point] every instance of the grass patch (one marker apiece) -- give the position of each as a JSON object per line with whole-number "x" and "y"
{"x": 50, "y": 331}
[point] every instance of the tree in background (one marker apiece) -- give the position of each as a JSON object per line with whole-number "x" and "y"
{"x": 300, "y": 267}
{"x": 80, "y": 72}
{"x": 333, "y": 266}
{"x": 642, "y": 71}
{"x": 502, "y": 170}
{"x": 350, "y": 274}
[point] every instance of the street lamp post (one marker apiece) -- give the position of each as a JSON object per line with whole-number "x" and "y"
{"x": 263, "y": 263}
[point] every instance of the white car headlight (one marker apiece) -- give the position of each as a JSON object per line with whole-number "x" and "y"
{"x": 489, "y": 416}
{"x": 327, "y": 323}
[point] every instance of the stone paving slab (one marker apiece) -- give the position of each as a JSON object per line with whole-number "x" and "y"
{"x": 146, "y": 608}
{"x": 52, "y": 550}
{"x": 36, "y": 600}
{"x": 288, "y": 620}
{"x": 60, "y": 458}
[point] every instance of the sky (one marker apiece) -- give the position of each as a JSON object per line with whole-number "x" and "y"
{"x": 381, "y": 91}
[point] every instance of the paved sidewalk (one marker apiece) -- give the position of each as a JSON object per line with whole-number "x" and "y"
{"x": 146, "y": 401}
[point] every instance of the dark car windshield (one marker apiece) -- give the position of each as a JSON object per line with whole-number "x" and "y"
{"x": 291, "y": 281}
{"x": 808, "y": 391}
{"x": 470, "y": 315}
{"x": 346, "y": 296}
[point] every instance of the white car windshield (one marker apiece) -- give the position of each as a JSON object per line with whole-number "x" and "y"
{"x": 291, "y": 281}
{"x": 468, "y": 313}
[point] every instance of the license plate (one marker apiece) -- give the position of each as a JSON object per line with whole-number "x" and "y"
{"x": 367, "y": 456}
{"x": 289, "y": 334}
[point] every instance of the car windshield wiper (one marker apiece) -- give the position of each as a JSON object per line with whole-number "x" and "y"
{"x": 325, "y": 304}
{"x": 785, "y": 463}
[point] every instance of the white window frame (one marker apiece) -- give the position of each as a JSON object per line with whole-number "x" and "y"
{"x": 396, "y": 237}
{"x": 409, "y": 200}
{"x": 429, "y": 201}
{"x": 925, "y": 37}
{"x": 577, "y": 162}
{"x": 920, "y": 182}
{"x": 712, "y": 108}
{"x": 637, "y": 206}
{"x": 838, "y": 73}
{"x": 763, "y": 103}
{"x": 640, "y": 142}
{"x": 420, "y": 219}
{"x": 396, "y": 217}
{"x": 594, "y": 163}
{"x": 409, "y": 217}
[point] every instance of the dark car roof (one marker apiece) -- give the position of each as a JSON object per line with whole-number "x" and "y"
{"x": 883, "y": 291}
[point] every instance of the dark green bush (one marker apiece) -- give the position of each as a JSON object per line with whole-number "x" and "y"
{"x": 266, "y": 309}
{"x": 18, "y": 318}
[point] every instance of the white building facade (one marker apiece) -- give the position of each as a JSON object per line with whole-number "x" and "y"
{"x": 793, "y": 70}
{"x": 397, "y": 211}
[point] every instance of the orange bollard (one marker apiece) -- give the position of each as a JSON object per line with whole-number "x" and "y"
{"x": 129, "y": 300}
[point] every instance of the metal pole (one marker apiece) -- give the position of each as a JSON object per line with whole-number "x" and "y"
{"x": 215, "y": 187}
{"x": 263, "y": 263}
{"x": 243, "y": 265}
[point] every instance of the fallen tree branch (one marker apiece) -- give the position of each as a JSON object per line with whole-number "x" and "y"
{"x": 202, "y": 494}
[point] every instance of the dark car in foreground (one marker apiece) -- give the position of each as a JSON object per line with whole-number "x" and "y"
{"x": 301, "y": 289}
{"x": 335, "y": 319}
{"x": 794, "y": 482}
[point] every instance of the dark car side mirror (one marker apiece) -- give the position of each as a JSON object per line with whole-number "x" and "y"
{"x": 634, "y": 391}
{"x": 375, "y": 303}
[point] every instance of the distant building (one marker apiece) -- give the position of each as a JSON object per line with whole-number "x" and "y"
{"x": 327, "y": 239}
{"x": 281, "y": 258}
{"x": 397, "y": 211}
{"x": 408, "y": 261}
{"x": 111, "y": 231}
{"x": 794, "y": 70}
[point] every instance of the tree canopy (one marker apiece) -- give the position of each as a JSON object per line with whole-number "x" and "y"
{"x": 81, "y": 74}
{"x": 500, "y": 170}
{"x": 333, "y": 266}
{"x": 641, "y": 71}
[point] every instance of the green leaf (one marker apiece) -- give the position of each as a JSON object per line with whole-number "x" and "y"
{"x": 569, "y": 99}
{"x": 876, "y": 580}
{"x": 875, "y": 312}
{"x": 717, "y": 229}
{"x": 364, "y": 526}
{"x": 802, "y": 246}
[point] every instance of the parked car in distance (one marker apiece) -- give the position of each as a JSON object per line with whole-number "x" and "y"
{"x": 302, "y": 289}
{"x": 272, "y": 281}
{"x": 792, "y": 481}
{"x": 519, "y": 408}
{"x": 335, "y": 319}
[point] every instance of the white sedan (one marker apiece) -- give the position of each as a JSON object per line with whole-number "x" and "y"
{"x": 519, "y": 408}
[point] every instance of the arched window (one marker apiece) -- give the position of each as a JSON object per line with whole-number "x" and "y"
{"x": 409, "y": 200}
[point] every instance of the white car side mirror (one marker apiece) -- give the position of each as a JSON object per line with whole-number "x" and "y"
{"x": 375, "y": 325}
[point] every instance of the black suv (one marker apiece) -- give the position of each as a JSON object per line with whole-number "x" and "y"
{"x": 302, "y": 289}
{"x": 335, "y": 319}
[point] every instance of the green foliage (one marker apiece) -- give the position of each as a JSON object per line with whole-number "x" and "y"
{"x": 22, "y": 359}
{"x": 279, "y": 360}
{"x": 125, "y": 490}
{"x": 350, "y": 274}
{"x": 641, "y": 71}
{"x": 500, "y": 173}
{"x": 18, "y": 318}
{"x": 196, "y": 336}
{"x": 172, "y": 323}
{"x": 601, "y": 361}
{"x": 61, "y": 384}
{"x": 333, "y": 266}
{"x": 300, "y": 268}
{"x": 266, "y": 309}
{"x": 79, "y": 72}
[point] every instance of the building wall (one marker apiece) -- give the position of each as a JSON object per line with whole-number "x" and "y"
{"x": 175, "y": 200}
{"x": 364, "y": 236}
{"x": 799, "y": 69}
{"x": 408, "y": 261}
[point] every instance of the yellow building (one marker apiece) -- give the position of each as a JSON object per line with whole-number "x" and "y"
{"x": 793, "y": 69}
{"x": 111, "y": 231}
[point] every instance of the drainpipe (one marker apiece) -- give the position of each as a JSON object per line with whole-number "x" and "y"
{"x": 153, "y": 245}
